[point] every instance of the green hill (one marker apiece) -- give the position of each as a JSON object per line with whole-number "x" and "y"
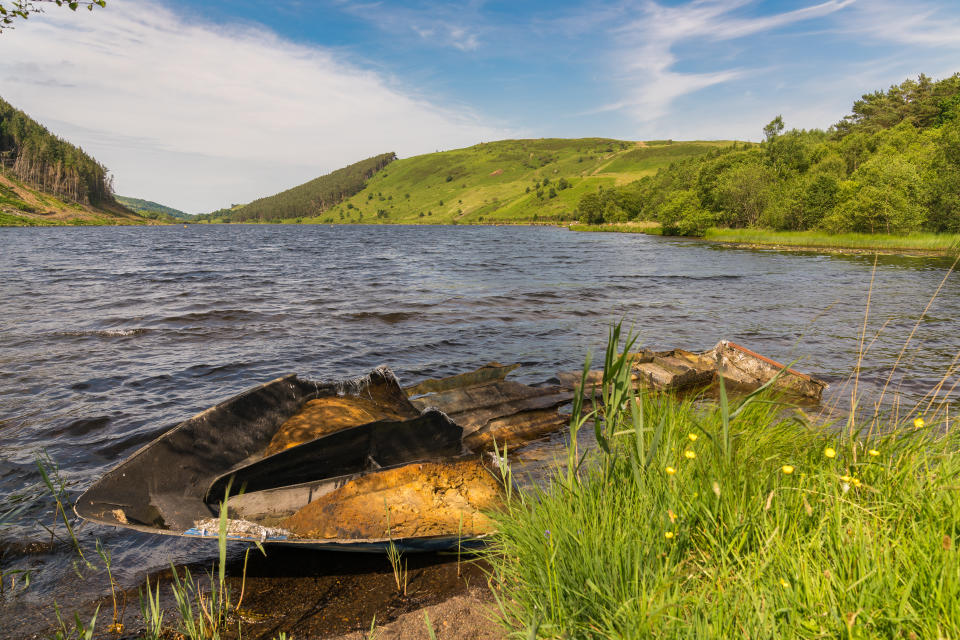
{"x": 505, "y": 181}
{"x": 45, "y": 180}
{"x": 311, "y": 198}
{"x": 153, "y": 210}
{"x": 892, "y": 166}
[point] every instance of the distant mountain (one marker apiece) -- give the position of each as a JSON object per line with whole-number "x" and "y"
{"x": 505, "y": 181}
{"x": 150, "y": 209}
{"x": 45, "y": 180}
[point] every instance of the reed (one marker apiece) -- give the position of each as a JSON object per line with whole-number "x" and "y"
{"x": 397, "y": 562}
{"x": 738, "y": 519}
{"x": 78, "y": 631}
{"x": 205, "y": 615}
{"x": 430, "y": 632}
{"x": 151, "y": 612}
{"x": 57, "y": 488}
{"x": 117, "y": 625}
{"x": 399, "y": 566}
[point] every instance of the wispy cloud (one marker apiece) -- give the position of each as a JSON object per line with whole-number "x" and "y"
{"x": 915, "y": 23}
{"x": 200, "y": 116}
{"x": 457, "y": 25}
{"x": 650, "y": 79}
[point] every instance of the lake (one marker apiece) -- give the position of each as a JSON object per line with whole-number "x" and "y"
{"x": 111, "y": 335}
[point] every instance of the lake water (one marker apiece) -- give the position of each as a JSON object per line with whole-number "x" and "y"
{"x": 109, "y": 336}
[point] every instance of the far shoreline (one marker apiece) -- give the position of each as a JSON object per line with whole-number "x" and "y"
{"x": 916, "y": 244}
{"x": 921, "y": 244}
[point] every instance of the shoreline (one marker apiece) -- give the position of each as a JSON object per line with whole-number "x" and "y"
{"x": 856, "y": 244}
{"x": 805, "y": 241}
{"x": 776, "y": 246}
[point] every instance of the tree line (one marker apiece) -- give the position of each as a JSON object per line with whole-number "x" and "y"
{"x": 311, "y": 198}
{"x": 891, "y": 166}
{"x": 36, "y": 156}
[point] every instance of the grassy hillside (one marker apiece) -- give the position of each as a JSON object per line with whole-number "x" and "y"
{"x": 311, "y": 198}
{"x": 22, "y": 205}
{"x": 505, "y": 181}
{"x": 153, "y": 210}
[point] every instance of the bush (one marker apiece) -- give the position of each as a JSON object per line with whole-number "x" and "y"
{"x": 682, "y": 215}
{"x": 591, "y": 209}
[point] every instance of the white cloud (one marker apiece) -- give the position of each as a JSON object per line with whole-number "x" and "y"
{"x": 912, "y": 23}
{"x": 650, "y": 80}
{"x": 198, "y": 116}
{"x": 442, "y": 25}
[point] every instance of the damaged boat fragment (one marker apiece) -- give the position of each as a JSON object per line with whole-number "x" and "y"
{"x": 678, "y": 370}
{"x": 490, "y": 408}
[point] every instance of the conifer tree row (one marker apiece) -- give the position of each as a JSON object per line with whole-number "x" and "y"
{"x": 34, "y": 155}
{"x": 314, "y": 197}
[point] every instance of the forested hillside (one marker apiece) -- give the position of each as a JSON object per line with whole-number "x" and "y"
{"x": 505, "y": 181}
{"x": 34, "y": 155}
{"x": 311, "y": 198}
{"x": 45, "y": 180}
{"x": 891, "y": 166}
{"x": 152, "y": 210}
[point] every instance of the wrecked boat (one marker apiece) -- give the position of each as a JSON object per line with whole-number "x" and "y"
{"x": 299, "y": 460}
{"x": 365, "y": 464}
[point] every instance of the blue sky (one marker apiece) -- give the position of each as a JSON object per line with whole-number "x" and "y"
{"x": 202, "y": 104}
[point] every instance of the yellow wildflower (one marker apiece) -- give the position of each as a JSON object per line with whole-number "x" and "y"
{"x": 693, "y": 437}
{"x": 670, "y": 471}
{"x": 668, "y": 535}
{"x": 855, "y": 481}
{"x": 689, "y": 455}
{"x": 845, "y": 478}
{"x": 918, "y": 423}
{"x": 830, "y": 452}
{"x": 673, "y": 516}
{"x": 787, "y": 469}
{"x": 873, "y": 452}
{"x": 784, "y": 583}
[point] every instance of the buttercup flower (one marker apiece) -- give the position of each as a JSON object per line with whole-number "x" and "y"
{"x": 689, "y": 455}
{"x": 830, "y": 452}
{"x": 668, "y": 535}
{"x": 670, "y": 471}
{"x": 918, "y": 423}
{"x": 873, "y": 452}
{"x": 845, "y": 478}
{"x": 787, "y": 469}
{"x": 855, "y": 481}
{"x": 693, "y": 437}
{"x": 784, "y": 583}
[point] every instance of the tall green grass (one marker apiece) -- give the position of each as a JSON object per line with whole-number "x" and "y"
{"x": 821, "y": 239}
{"x": 740, "y": 520}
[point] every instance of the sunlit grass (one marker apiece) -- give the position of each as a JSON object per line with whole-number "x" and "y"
{"x": 821, "y": 239}
{"x": 644, "y": 226}
{"x": 740, "y": 520}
